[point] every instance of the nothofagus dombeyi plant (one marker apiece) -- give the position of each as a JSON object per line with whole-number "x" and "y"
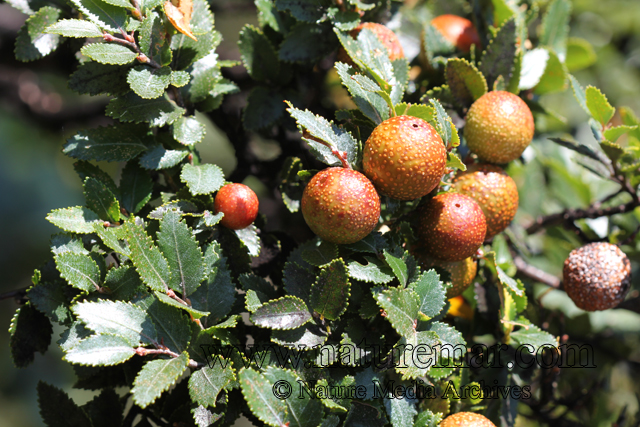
{"x": 175, "y": 318}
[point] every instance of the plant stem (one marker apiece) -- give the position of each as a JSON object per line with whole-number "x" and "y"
{"x": 141, "y": 351}
{"x": 133, "y": 46}
{"x": 536, "y": 274}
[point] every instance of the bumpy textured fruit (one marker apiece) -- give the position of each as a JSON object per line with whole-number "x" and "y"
{"x": 466, "y": 419}
{"x": 597, "y": 276}
{"x": 340, "y": 205}
{"x": 495, "y": 192}
{"x": 404, "y": 157}
{"x": 238, "y": 203}
{"x": 387, "y": 37}
{"x": 499, "y": 127}
{"x": 462, "y": 272}
{"x": 451, "y": 227}
{"x": 457, "y": 30}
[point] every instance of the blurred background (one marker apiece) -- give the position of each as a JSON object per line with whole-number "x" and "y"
{"x": 38, "y": 112}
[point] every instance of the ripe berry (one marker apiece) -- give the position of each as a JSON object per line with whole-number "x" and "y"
{"x": 387, "y": 37}
{"x": 466, "y": 419}
{"x": 451, "y": 227}
{"x": 404, "y": 157}
{"x": 495, "y": 192}
{"x": 597, "y": 276}
{"x": 238, "y": 203}
{"x": 457, "y": 30}
{"x": 461, "y": 273}
{"x": 499, "y": 127}
{"x": 340, "y": 205}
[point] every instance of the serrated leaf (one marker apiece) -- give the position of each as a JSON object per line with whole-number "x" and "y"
{"x": 435, "y": 43}
{"x": 188, "y": 130}
{"x": 132, "y": 108}
{"x": 178, "y": 244}
{"x": 598, "y": 106}
{"x": 579, "y": 93}
{"x": 211, "y": 219}
{"x": 74, "y": 28}
{"x": 217, "y": 294}
{"x": 344, "y": 20}
{"x": 186, "y": 51}
{"x": 265, "y": 106}
{"x": 375, "y": 271}
{"x": 330, "y": 293}
{"x": 258, "y": 55}
{"x": 108, "y": 53}
{"x": 418, "y": 366}
{"x": 101, "y": 350}
{"x": 426, "y": 418}
{"x": 207, "y": 383}
{"x": 612, "y": 134}
{"x": 57, "y": 409}
{"x": 303, "y": 410}
{"x": 580, "y": 54}
{"x": 116, "y": 143}
{"x": 117, "y": 318}
{"x": 307, "y": 11}
{"x": 498, "y": 58}
{"x": 307, "y": 336}
{"x": 534, "y": 63}
{"x": 401, "y": 307}
{"x": 455, "y": 162}
{"x": 180, "y": 78}
{"x": 136, "y": 188}
{"x": 248, "y": 236}
{"x": 172, "y": 327}
{"x": 555, "y": 27}
{"x": 507, "y": 281}
{"x": 554, "y": 78}
{"x": 79, "y": 270}
{"x": 147, "y": 82}
{"x": 306, "y": 42}
{"x": 288, "y": 312}
{"x": 145, "y": 255}
{"x": 320, "y": 253}
{"x": 152, "y": 35}
{"x": 85, "y": 169}
{"x": 258, "y": 393}
{"x": 105, "y": 410}
{"x": 465, "y": 81}
{"x": 158, "y": 157}
{"x": 76, "y": 219}
{"x": 30, "y": 332}
{"x": 431, "y": 294}
{"x": 94, "y": 78}
{"x": 422, "y": 111}
{"x": 123, "y": 282}
{"x": 371, "y": 104}
{"x": 106, "y": 16}
{"x": 533, "y": 336}
{"x": 398, "y": 267}
{"x": 50, "y": 299}
{"x": 101, "y": 200}
{"x": 319, "y": 128}
{"x": 156, "y": 377}
{"x": 166, "y": 299}
{"x": 202, "y": 179}
{"x": 183, "y": 207}
{"x": 443, "y": 124}
{"x": 373, "y": 243}
{"x": 113, "y": 237}
{"x": 32, "y": 42}
{"x": 401, "y": 411}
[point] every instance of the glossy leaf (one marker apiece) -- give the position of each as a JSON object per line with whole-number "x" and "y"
{"x": 101, "y": 350}
{"x": 288, "y": 312}
{"x": 156, "y": 377}
{"x": 202, "y": 179}
{"x": 330, "y": 293}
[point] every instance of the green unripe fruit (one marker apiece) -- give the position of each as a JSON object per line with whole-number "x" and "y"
{"x": 499, "y": 127}
{"x": 340, "y": 205}
{"x": 495, "y": 192}
{"x": 404, "y": 157}
{"x": 451, "y": 227}
{"x": 597, "y": 276}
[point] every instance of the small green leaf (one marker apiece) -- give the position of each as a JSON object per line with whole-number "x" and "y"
{"x": 320, "y": 253}
{"x": 555, "y": 27}
{"x": 401, "y": 411}
{"x": 371, "y": 104}
{"x": 307, "y": 11}
{"x": 172, "y": 302}
{"x": 612, "y": 134}
{"x": 157, "y": 112}
{"x": 398, "y": 266}
{"x": 500, "y": 55}
{"x": 306, "y": 42}
{"x": 76, "y": 219}
{"x": 258, "y": 55}
{"x": 158, "y": 157}
{"x": 123, "y": 282}
{"x": 101, "y": 350}
{"x": 94, "y": 78}
{"x": 136, "y": 188}
{"x": 217, "y": 294}
{"x": 102, "y": 14}
{"x": 248, "y": 236}
{"x": 344, "y": 20}
{"x": 534, "y": 64}
{"x": 202, "y": 179}
{"x": 116, "y": 143}
{"x": 288, "y": 312}
{"x": 188, "y": 130}
{"x": 532, "y": 335}
{"x": 598, "y": 106}
{"x": 180, "y": 78}
{"x": 149, "y": 83}
{"x": 426, "y": 418}
{"x": 580, "y": 54}
{"x": 455, "y": 162}
{"x": 422, "y": 111}
{"x": 32, "y": 42}
{"x": 443, "y": 124}
{"x": 330, "y": 293}
{"x": 79, "y": 270}
{"x": 303, "y": 410}
{"x": 554, "y": 78}
{"x": 101, "y": 200}
{"x": 118, "y": 318}
{"x": 258, "y": 392}
{"x": 113, "y": 237}
{"x": 207, "y": 383}
{"x": 401, "y": 307}
{"x": 74, "y": 28}
{"x": 431, "y": 294}
{"x": 374, "y": 272}
{"x": 465, "y": 81}
{"x": 58, "y": 409}
{"x": 172, "y": 326}
{"x": 178, "y": 244}
{"x": 156, "y": 377}
{"x": 51, "y": 299}
{"x": 265, "y": 106}
{"x": 30, "y": 332}
{"x": 85, "y": 169}
{"x": 145, "y": 255}
{"x": 579, "y": 93}
{"x": 107, "y": 53}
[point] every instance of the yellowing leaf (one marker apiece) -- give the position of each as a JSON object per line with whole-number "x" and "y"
{"x": 179, "y": 13}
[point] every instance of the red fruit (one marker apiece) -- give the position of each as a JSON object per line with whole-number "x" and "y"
{"x": 387, "y": 37}
{"x": 499, "y": 127}
{"x": 238, "y": 203}
{"x": 466, "y": 419}
{"x": 495, "y": 192}
{"x": 457, "y": 30}
{"x": 404, "y": 157}
{"x": 597, "y": 276}
{"x": 451, "y": 227}
{"x": 340, "y": 205}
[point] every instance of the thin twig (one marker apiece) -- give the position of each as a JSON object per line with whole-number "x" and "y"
{"x": 133, "y": 46}
{"x": 536, "y": 274}
{"x": 141, "y": 351}
{"x": 14, "y": 294}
